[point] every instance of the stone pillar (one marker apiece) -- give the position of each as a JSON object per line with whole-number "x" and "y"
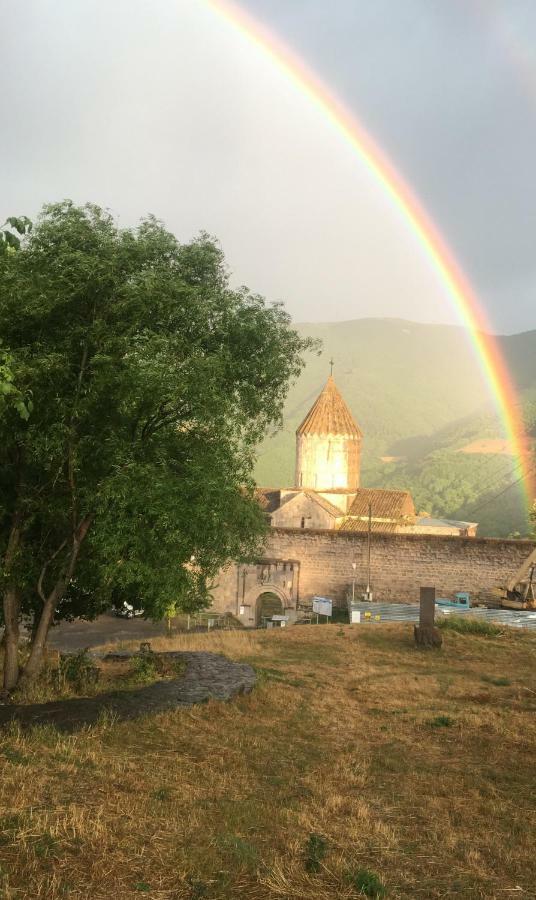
{"x": 426, "y": 634}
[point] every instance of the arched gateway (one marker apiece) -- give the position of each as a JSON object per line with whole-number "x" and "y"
{"x": 270, "y": 602}
{"x": 260, "y": 589}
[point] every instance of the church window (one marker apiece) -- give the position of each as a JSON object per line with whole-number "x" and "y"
{"x": 302, "y": 522}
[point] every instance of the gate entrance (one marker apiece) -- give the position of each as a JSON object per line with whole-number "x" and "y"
{"x": 268, "y": 605}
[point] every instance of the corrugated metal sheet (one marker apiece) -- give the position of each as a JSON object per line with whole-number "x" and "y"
{"x": 409, "y": 612}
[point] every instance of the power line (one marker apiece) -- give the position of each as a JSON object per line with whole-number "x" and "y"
{"x": 496, "y": 496}
{"x": 499, "y": 477}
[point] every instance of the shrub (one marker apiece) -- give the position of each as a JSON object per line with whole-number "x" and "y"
{"x": 442, "y": 722}
{"x": 367, "y": 883}
{"x": 145, "y": 667}
{"x": 469, "y": 625}
{"x": 315, "y": 851}
{"x": 78, "y": 671}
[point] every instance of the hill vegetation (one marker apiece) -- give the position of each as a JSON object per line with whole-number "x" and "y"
{"x": 419, "y": 396}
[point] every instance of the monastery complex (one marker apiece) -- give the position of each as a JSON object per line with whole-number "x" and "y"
{"x": 321, "y": 530}
{"x": 327, "y": 494}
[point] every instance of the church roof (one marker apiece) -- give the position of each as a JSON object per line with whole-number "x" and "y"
{"x": 268, "y": 498}
{"x": 361, "y": 526}
{"x": 385, "y": 504}
{"x": 325, "y": 504}
{"x": 329, "y": 414}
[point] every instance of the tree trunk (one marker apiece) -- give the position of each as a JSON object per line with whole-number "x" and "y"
{"x": 11, "y": 604}
{"x": 35, "y": 660}
{"x": 11, "y": 637}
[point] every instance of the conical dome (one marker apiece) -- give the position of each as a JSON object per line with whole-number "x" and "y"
{"x": 329, "y": 414}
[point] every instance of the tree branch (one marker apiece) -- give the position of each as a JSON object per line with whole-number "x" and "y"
{"x": 40, "y": 590}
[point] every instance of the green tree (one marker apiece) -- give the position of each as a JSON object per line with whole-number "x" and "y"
{"x": 151, "y": 382}
{"x": 11, "y": 232}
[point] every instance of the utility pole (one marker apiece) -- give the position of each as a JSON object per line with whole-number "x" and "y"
{"x": 368, "y": 548}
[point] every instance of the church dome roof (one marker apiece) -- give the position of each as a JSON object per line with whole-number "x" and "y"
{"x": 329, "y": 414}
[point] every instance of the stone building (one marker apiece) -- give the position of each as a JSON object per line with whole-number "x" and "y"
{"x": 326, "y": 493}
{"x": 320, "y": 526}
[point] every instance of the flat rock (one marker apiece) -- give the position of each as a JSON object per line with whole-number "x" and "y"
{"x": 207, "y": 676}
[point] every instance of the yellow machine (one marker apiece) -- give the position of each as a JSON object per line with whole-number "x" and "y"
{"x": 520, "y": 590}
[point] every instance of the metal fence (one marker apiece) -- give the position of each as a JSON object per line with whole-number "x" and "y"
{"x": 409, "y": 612}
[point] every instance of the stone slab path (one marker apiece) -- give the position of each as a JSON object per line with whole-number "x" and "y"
{"x": 207, "y": 675}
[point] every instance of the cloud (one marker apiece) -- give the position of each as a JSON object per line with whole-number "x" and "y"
{"x": 160, "y": 107}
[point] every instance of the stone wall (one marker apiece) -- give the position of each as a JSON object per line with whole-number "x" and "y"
{"x": 400, "y": 564}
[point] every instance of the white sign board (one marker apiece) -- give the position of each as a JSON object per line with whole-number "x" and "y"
{"x": 322, "y": 606}
{"x": 356, "y": 617}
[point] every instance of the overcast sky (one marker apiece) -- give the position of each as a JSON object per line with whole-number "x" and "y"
{"x": 161, "y": 106}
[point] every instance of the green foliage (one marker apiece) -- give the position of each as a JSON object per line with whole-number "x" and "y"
{"x": 498, "y": 681}
{"x": 441, "y": 722}
{"x": 469, "y": 625}
{"x": 10, "y": 237}
{"x": 315, "y": 851}
{"x": 151, "y": 383}
{"x": 10, "y": 396}
{"x": 145, "y": 667}
{"x": 367, "y": 883}
{"x": 77, "y": 670}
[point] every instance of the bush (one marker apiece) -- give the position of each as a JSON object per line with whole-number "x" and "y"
{"x": 367, "y": 883}
{"x": 469, "y": 625}
{"x": 441, "y": 722}
{"x": 77, "y": 671}
{"x": 145, "y": 667}
{"x": 315, "y": 851}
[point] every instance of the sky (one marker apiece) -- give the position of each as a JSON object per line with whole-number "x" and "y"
{"x": 161, "y": 106}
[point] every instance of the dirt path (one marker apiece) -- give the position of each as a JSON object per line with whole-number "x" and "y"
{"x": 207, "y": 675}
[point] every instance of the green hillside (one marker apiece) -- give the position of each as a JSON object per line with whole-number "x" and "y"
{"x": 418, "y": 395}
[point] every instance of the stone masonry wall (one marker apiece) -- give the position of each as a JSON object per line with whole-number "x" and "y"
{"x": 400, "y": 563}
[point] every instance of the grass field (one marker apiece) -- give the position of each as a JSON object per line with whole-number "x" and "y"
{"x": 358, "y": 767}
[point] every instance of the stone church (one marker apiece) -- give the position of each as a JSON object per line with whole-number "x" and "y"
{"x": 326, "y": 492}
{"x": 325, "y": 503}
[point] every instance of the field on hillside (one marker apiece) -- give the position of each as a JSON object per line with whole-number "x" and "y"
{"x": 357, "y": 765}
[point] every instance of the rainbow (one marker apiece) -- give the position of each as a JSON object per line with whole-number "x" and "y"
{"x": 468, "y": 308}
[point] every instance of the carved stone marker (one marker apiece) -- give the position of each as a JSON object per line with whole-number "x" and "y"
{"x": 426, "y": 634}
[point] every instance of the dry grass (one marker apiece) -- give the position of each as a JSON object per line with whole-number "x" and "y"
{"x": 58, "y": 683}
{"x": 418, "y": 767}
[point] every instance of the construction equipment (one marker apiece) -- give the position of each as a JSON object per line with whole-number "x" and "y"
{"x": 462, "y": 600}
{"x": 521, "y": 589}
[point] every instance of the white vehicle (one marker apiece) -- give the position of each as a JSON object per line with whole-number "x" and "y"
{"x": 127, "y": 611}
